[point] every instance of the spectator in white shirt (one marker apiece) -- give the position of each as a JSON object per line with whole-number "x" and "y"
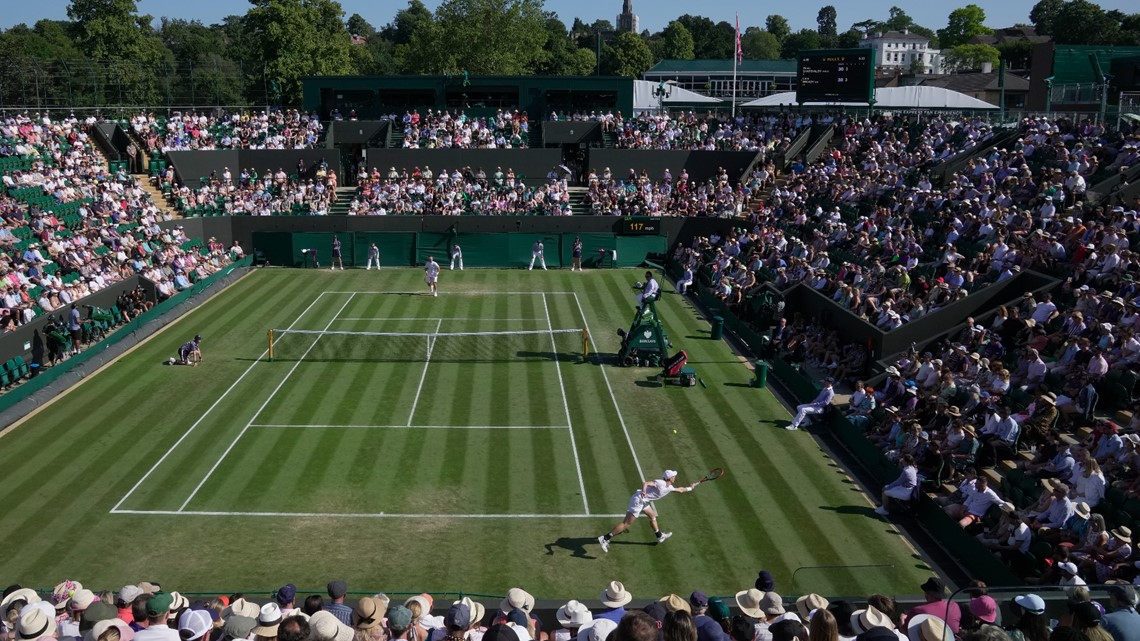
{"x": 975, "y": 505}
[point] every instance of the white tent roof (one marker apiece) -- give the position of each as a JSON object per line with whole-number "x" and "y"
{"x": 892, "y": 97}
{"x": 644, "y": 100}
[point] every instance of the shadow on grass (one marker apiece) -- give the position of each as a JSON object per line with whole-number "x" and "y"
{"x": 861, "y": 510}
{"x": 776, "y": 422}
{"x": 649, "y": 382}
{"x": 699, "y": 336}
{"x": 575, "y": 545}
{"x": 737, "y": 385}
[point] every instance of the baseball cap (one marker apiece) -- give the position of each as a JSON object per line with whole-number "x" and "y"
{"x": 286, "y": 594}
{"x": 459, "y": 616}
{"x": 194, "y": 624}
{"x": 933, "y": 585}
{"x": 1031, "y": 603}
{"x": 699, "y": 599}
{"x": 158, "y": 603}
{"x": 399, "y": 618}
{"x": 718, "y": 611}
{"x": 128, "y": 594}
{"x": 337, "y": 589}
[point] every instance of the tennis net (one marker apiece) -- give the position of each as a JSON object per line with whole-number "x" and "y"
{"x": 455, "y": 347}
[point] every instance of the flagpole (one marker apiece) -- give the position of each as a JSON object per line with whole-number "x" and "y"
{"x": 735, "y": 58}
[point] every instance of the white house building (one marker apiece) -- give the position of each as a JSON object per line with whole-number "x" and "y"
{"x": 899, "y": 49}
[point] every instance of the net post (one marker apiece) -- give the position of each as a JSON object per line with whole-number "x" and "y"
{"x": 270, "y": 346}
{"x": 585, "y": 344}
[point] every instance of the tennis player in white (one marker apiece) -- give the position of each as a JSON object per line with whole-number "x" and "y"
{"x": 642, "y": 502}
{"x": 431, "y": 275}
{"x": 536, "y": 253}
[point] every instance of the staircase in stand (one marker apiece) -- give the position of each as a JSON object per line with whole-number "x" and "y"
{"x": 578, "y": 205}
{"x": 344, "y": 196}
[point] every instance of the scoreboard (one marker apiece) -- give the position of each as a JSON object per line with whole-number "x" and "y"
{"x": 836, "y": 75}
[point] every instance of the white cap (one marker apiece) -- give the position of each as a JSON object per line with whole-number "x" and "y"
{"x": 669, "y": 474}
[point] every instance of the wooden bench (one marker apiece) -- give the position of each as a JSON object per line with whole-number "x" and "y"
{"x": 992, "y": 476}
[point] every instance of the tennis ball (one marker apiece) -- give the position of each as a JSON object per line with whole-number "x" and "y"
{"x": 674, "y": 431}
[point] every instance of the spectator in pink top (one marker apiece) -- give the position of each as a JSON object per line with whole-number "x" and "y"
{"x": 936, "y": 604}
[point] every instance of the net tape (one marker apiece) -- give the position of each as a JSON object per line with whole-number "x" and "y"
{"x": 472, "y": 347}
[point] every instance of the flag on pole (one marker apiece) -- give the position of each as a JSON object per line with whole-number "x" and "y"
{"x": 739, "y": 49}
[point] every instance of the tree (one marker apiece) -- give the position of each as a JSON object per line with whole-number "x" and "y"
{"x": 1084, "y": 23}
{"x": 629, "y": 56}
{"x": 799, "y": 41}
{"x": 677, "y": 42}
{"x": 826, "y": 21}
{"x": 493, "y": 37}
{"x": 358, "y": 26}
{"x": 964, "y": 24}
{"x": 1015, "y": 53}
{"x": 112, "y": 32}
{"x": 777, "y": 26}
{"x": 711, "y": 41}
{"x": 1044, "y": 14}
{"x": 295, "y": 38}
{"x": 965, "y": 57}
{"x": 849, "y": 39}
{"x": 561, "y": 57}
{"x": 406, "y": 23}
{"x": 758, "y": 44}
{"x": 917, "y": 66}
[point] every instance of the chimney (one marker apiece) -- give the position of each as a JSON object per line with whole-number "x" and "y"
{"x": 906, "y": 31}
{"x": 987, "y": 67}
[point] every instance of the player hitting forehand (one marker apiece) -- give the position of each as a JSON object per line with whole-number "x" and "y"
{"x": 431, "y": 275}
{"x": 642, "y": 501}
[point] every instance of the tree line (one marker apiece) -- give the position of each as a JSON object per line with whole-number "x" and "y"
{"x": 107, "y": 53}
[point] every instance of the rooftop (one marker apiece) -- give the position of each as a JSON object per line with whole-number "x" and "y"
{"x": 972, "y": 82}
{"x": 896, "y": 35}
{"x": 724, "y": 66}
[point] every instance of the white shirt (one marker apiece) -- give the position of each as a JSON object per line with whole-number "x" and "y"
{"x": 432, "y": 269}
{"x": 657, "y": 489}
{"x": 651, "y": 288}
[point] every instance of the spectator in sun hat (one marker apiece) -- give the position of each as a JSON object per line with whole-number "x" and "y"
{"x": 195, "y": 625}
{"x": 422, "y": 619}
{"x": 61, "y": 594}
{"x": 571, "y": 616}
{"x": 749, "y": 602}
{"x": 96, "y": 612}
{"x": 869, "y": 618}
{"x": 98, "y": 630}
{"x": 178, "y": 604}
{"x": 984, "y": 609}
{"x": 674, "y": 603}
{"x": 808, "y": 602}
{"x": 368, "y": 614}
{"x": 928, "y": 627}
{"x": 239, "y": 627}
{"x": 517, "y": 598}
{"x": 337, "y": 590}
{"x": 268, "y": 621}
{"x": 80, "y": 601}
{"x": 157, "y": 614}
{"x": 934, "y": 591}
{"x": 602, "y": 629}
{"x": 35, "y": 623}
{"x": 324, "y": 626}
{"x": 285, "y": 596}
{"x": 614, "y": 597}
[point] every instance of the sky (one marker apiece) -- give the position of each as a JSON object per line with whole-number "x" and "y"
{"x": 654, "y": 14}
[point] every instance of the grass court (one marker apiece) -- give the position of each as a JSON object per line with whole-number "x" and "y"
{"x": 429, "y": 463}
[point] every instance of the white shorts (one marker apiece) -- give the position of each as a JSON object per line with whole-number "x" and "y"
{"x": 637, "y": 504}
{"x": 430, "y": 279}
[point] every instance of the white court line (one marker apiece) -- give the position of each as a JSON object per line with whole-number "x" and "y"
{"x": 566, "y": 406}
{"x": 613, "y": 398}
{"x": 210, "y": 409}
{"x": 423, "y": 376}
{"x": 259, "y": 411}
{"x": 436, "y": 318}
{"x": 419, "y": 427}
{"x": 376, "y": 515}
{"x": 457, "y": 293}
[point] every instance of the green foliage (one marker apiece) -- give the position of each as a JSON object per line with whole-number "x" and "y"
{"x": 759, "y": 45}
{"x": 407, "y": 22}
{"x": 677, "y": 43}
{"x": 849, "y": 39}
{"x": 917, "y": 66}
{"x": 801, "y": 40}
{"x": 478, "y": 36}
{"x": 964, "y": 24}
{"x": 825, "y": 20}
{"x": 1015, "y": 53}
{"x": 629, "y": 56}
{"x": 113, "y": 31}
{"x": 968, "y": 56}
{"x": 358, "y": 26}
{"x": 291, "y": 39}
{"x": 1085, "y": 23}
{"x": 777, "y": 26}
{"x": 560, "y": 55}
{"x": 711, "y": 41}
{"x": 1044, "y": 15}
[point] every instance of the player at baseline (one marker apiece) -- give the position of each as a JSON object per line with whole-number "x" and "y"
{"x": 456, "y": 256}
{"x": 576, "y": 262}
{"x": 373, "y": 257}
{"x": 336, "y": 259}
{"x": 431, "y": 275}
{"x": 642, "y": 502}
{"x": 536, "y": 253}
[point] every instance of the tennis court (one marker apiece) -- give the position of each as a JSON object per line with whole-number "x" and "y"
{"x": 431, "y": 444}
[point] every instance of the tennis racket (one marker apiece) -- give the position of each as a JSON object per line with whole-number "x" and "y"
{"x": 713, "y": 475}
